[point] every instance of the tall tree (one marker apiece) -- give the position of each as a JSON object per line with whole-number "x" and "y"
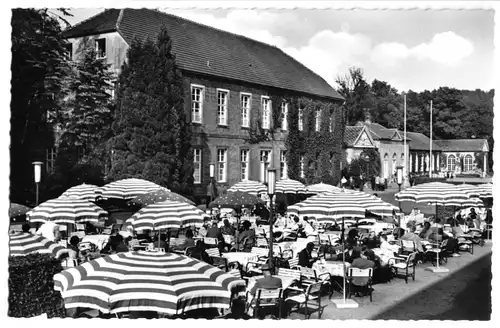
{"x": 356, "y": 91}
{"x": 387, "y": 107}
{"x": 38, "y": 65}
{"x": 152, "y": 139}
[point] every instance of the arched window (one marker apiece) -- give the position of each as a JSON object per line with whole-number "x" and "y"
{"x": 451, "y": 163}
{"x": 386, "y": 166}
{"x": 468, "y": 163}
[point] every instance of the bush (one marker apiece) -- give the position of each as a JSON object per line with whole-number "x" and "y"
{"x": 31, "y": 286}
{"x": 420, "y": 180}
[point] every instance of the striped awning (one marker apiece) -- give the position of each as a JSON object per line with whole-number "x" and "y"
{"x": 348, "y": 203}
{"x": 321, "y": 187}
{"x": 436, "y": 193}
{"x": 289, "y": 186}
{"x": 167, "y": 214}
{"x": 66, "y": 210}
{"x": 249, "y": 186}
{"x": 23, "y": 243}
{"x": 83, "y": 191}
{"x": 146, "y": 281}
{"x": 127, "y": 188}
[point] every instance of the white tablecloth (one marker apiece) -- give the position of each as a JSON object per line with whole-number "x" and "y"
{"x": 99, "y": 240}
{"x": 285, "y": 281}
{"x": 241, "y": 257}
{"x": 333, "y": 268}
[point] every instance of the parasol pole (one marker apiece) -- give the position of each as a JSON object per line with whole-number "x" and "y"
{"x": 437, "y": 269}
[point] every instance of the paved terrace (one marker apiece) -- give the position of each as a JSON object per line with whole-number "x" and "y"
{"x": 464, "y": 293}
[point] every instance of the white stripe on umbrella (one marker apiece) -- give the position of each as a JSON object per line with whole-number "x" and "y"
{"x": 127, "y": 188}
{"x": 485, "y": 190}
{"x": 437, "y": 193}
{"x": 22, "y": 243}
{"x": 142, "y": 281}
{"x": 322, "y": 187}
{"x": 83, "y": 191}
{"x": 249, "y": 186}
{"x": 167, "y": 214}
{"x": 66, "y": 210}
{"x": 289, "y": 186}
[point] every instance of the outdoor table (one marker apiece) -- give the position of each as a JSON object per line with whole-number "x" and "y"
{"x": 241, "y": 257}
{"x": 285, "y": 281}
{"x": 334, "y": 268}
{"x": 99, "y": 240}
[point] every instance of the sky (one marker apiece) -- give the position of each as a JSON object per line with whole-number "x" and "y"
{"x": 410, "y": 49}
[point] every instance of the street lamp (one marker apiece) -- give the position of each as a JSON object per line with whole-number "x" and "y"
{"x": 271, "y": 185}
{"x": 38, "y": 177}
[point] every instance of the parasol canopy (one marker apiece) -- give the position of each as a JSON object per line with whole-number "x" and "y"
{"x": 23, "y": 243}
{"x": 289, "y": 186}
{"x": 146, "y": 281}
{"x": 66, "y": 210}
{"x": 83, "y": 191}
{"x": 249, "y": 186}
{"x": 321, "y": 187}
{"x": 437, "y": 193}
{"x": 158, "y": 196}
{"x": 127, "y": 188}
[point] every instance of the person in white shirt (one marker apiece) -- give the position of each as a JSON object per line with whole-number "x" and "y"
{"x": 308, "y": 228}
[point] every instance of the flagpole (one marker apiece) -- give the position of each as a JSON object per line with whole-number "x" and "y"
{"x": 430, "y": 144}
{"x": 405, "y": 152}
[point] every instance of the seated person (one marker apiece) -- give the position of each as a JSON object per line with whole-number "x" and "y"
{"x": 371, "y": 241}
{"x": 410, "y": 235}
{"x": 247, "y": 237}
{"x": 308, "y": 228}
{"x": 227, "y": 229}
{"x": 213, "y": 231}
{"x": 238, "y": 310}
{"x": 203, "y": 229}
{"x": 120, "y": 247}
{"x": 73, "y": 249}
{"x": 268, "y": 282}
{"x": 199, "y": 253}
{"x": 162, "y": 243}
{"x": 26, "y": 228}
{"x": 427, "y": 231}
{"x": 362, "y": 262}
{"x": 305, "y": 256}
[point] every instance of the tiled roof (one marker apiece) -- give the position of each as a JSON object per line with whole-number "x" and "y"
{"x": 378, "y": 131}
{"x": 462, "y": 144}
{"x": 420, "y": 141}
{"x": 206, "y": 50}
{"x": 351, "y": 134}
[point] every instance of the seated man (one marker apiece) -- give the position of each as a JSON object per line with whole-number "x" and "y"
{"x": 199, "y": 253}
{"x": 363, "y": 262}
{"x": 162, "y": 243}
{"x": 238, "y": 310}
{"x": 305, "y": 256}
{"x": 268, "y": 282}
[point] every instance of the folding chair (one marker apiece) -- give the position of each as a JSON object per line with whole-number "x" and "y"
{"x": 266, "y": 299}
{"x": 218, "y": 261}
{"x": 295, "y": 275}
{"x": 293, "y": 262}
{"x": 406, "y": 265}
{"x": 262, "y": 242}
{"x": 406, "y": 248}
{"x": 211, "y": 242}
{"x": 352, "y": 274}
{"x": 309, "y": 301}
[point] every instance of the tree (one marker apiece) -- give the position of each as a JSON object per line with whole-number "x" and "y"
{"x": 151, "y": 137}
{"x": 387, "y": 108}
{"x": 356, "y": 91}
{"x": 38, "y": 65}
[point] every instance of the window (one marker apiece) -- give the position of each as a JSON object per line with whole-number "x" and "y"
{"x": 330, "y": 128}
{"x": 245, "y": 109}
{"x": 221, "y": 165}
{"x": 301, "y": 119}
{"x": 284, "y": 116}
{"x": 50, "y": 160}
{"x": 197, "y": 165}
{"x": 451, "y": 163}
{"x": 265, "y": 157}
{"x": 302, "y": 166}
{"x": 318, "y": 119}
{"x": 100, "y": 48}
{"x": 222, "y": 100}
{"x": 244, "y": 164}
{"x": 266, "y": 112}
{"x": 197, "y": 95}
{"x": 283, "y": 166}
{"x": 68, "y": 51}
{"x": 468, "y": 163}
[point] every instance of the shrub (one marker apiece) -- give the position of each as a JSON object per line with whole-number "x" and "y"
{"x": 31, "y": 286}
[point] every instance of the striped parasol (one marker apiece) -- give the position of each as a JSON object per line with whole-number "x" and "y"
{"x": 321, "y": 187}
{"x": 157, "y": 196}
{"x": 333, "y": 206}
{"x": 473, "y": 193}
{"x": 146, "y": 281}
{"x": 167, "y": 214}
{"x": 23, "y": 243}
{"x": 83, "y": 191}
{"x": 437, "y": 193}
{"x": 127, "y": 188}
{"x": 485, "y": 190}
{"x": 289, "y": 186}
{"x": 249, "y": 186}
{"x": 66, "y": 210}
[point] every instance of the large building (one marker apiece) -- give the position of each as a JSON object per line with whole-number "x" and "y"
{"x": 420, "y": 148}
{"x": 229, "y": 81}
{"x": 464, "y": 155}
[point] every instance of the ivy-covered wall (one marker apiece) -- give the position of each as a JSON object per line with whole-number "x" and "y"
{"x": 322, "y": 150}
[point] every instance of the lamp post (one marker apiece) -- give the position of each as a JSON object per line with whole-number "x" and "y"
{"x": 38, "y": 177}
{"x": 212, "y": 174}
{"x": 271, "y": 184}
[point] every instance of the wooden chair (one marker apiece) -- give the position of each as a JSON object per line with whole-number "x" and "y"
{"x": 211, "y": 242}
{"x": 218, "y": 261}
{"x": 295, "y": 275}
{"x": 353, "y": 273}
{"x": 266, "y": 299}
{"x": 309, "y": 301}
{"x": 404, "y": 266}
{"x": 407, "y": 247}
{"x": 293, "y": 262}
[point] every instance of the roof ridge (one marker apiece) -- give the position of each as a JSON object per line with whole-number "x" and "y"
{"x": 91, "y": 17}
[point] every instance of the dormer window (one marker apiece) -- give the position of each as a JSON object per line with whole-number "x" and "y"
{"x": 100, "y": 48}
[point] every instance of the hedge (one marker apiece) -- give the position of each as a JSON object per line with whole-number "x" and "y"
{"x": 31, "y": 286}
{"x": 420, "y": 180}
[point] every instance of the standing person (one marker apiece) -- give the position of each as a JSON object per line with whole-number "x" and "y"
{"x": 377, "y": 183}
{"x": 372, "y": 181}
{"x": 351, "y": 182}
{"x": 362, "y": 182}
{"x": 343, "y": 182}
